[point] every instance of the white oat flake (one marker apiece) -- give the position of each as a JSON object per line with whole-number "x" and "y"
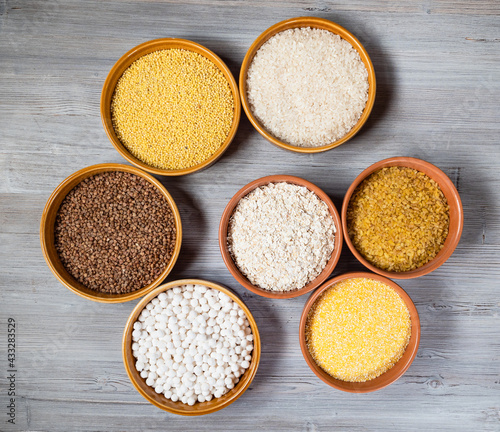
{"x": 281, "y": 236}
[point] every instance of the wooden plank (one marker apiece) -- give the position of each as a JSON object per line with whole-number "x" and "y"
{"x": 437, "y": 98}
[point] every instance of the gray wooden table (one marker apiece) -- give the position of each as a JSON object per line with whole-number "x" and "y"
{"x": 437, "y": 99}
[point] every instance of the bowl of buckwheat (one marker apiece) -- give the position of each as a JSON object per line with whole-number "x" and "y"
{"x": 110, "y": 233}
{"x": 280, "y": 236}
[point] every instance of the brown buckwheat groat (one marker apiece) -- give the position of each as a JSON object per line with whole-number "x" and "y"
{"x": 115, "y": 233}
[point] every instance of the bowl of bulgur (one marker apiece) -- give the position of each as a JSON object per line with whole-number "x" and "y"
{"x": 280, "y": 236}
{"x": 110, "y": 233}
{"x": 402, "y": 217}
{"x": 359, "y": 332}
{"x": 170, "y": 106}
{"x": 307, "y": 85}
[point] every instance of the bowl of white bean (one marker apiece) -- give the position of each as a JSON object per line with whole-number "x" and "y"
{"x": 191, "y": 347}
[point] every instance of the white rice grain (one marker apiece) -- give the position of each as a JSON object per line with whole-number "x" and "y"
{"x": 308, "y": 87}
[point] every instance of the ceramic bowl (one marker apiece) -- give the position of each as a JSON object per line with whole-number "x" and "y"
{"x": 146, "y": 48}
{"x": 160, "y": 400}
{"x": 386, "y": 378}
{"x": 47, "y": 233}
{"x": 318, "y": 23}
{"x": 454, "y": 203}
{"x": 226, "y": 255}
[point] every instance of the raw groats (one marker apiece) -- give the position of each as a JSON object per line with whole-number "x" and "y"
{"x": 281, "y": 236}
{"x": 398, "y": 219}
{"x": 358, "y": 329}
{"x": 172, "y": 109}
{"x": 308, "y": 87}
{"x": 115, "y": 232}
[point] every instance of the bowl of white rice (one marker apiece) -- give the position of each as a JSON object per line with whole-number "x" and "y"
{"x": 307, "y": 85}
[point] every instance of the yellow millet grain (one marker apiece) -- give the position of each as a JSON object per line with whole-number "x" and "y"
{"x": 172, "y": 109}
{"x": 398, "y": 219}
{"x": 358, "y": 329}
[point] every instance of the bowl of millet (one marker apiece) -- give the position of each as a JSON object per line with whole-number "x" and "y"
{"x": 170, "y": 106}
{"x": 110, "y": 233}
{"x": 402, "y": 217}
{"x": 280, "y": 236}
{"x": 191, "y": 347}
{"x": 359, "y": 332}
{"x": 307, "y": 85}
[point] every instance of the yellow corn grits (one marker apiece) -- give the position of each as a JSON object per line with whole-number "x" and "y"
{"x": 358, "y": 329}
{"x": 172, "y": 109}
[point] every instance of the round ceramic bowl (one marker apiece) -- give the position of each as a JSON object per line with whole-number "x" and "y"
{"x": 454, "y": 203}
{"x": 387, "y": 377}
{"x": 47, "y": 233}
{"x": 226, "y": 255}
{"x": 160, "y": 400}
{"x": 318, "y": 23}
{"x": 146, "y": 48}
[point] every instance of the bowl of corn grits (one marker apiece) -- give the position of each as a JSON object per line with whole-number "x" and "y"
{"x": 170, "y": 106}
{"x": 402, "y": 217}
{"x": 359, "y": 332}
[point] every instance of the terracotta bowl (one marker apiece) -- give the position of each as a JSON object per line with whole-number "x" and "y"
{"x": 386, "y": 378}
{"x": 318, "y": 23}
{"x": 47, "y": 233}
{"x": 454, "y": 203}
{"x": 226, "y": 256}
{"x": 146, "y": 48}
{"x": 160, "y": 400}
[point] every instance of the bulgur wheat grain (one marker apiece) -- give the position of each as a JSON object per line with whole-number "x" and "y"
{"x": 398, "y": 219}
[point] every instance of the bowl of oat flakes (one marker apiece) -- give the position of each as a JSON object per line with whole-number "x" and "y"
{"x": 280, "y": 236}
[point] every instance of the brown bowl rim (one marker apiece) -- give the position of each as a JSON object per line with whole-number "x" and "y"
{"x": 314, "y": 22}
{"x": 453, "y": 198}
{"x": 145, "y": 48}
{"x": 402, "y": 364}
{"x": 56, "y": 198}
{"x": 231, "y": 266}
{"x": 215, "y": 404}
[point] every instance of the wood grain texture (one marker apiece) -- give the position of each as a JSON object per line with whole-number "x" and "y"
{"x": 437, "y": 99}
